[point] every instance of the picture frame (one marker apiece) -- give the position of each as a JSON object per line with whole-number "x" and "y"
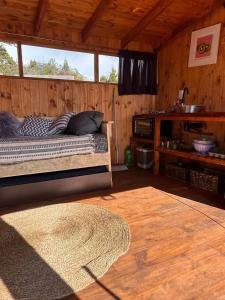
{"x": 204, "y": 46}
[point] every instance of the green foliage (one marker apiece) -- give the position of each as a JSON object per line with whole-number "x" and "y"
{"x": 31, "y": 68}
{"x": 66, "y": 70}
{"x": 103, "y": 78}
{"x": 50, "y": 68}
{"x": 66, "y": 67}
{"x": 8, "y": 66}
{"x": 112, "y": 78}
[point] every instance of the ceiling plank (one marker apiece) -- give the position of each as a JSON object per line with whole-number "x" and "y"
{"x": 191, "y": 22}
{"x": 94, "y": 18}
{"x": 40, "y": 14}
{"x": 151, "y": 15}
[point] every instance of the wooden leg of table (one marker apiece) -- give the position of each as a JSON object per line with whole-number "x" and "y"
{"x": 133, "y": 150}
{"x": 156, "y": 163}
{"x": 156, "y": 146}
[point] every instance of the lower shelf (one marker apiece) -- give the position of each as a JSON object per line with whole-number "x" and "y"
{"x": 193, "y": 156}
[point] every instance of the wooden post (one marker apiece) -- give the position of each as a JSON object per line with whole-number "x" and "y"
{"x": 96, "y": 67}
{"x": 156, "y": 146}
{"x": 20, "y": 59}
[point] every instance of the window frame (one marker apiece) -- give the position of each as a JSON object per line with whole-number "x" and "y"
{"x": 20, "y": 62}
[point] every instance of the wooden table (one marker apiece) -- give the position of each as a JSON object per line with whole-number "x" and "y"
{"x": 194, "y": 117}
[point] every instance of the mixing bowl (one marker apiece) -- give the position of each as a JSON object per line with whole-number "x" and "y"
{"x": 202, "y": 147}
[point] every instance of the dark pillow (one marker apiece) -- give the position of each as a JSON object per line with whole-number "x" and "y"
{"x": 85, "y": 123}
{"x": 9, "y": 125}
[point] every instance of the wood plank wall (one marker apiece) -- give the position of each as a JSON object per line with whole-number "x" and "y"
{"x": 54, "y": 97}
{"x": 206, "y": 84}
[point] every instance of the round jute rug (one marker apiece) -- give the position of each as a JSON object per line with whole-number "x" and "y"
{"x": 56, "y": 250}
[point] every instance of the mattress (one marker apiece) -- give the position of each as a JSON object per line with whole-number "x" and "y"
{"x": 21, "y": 149}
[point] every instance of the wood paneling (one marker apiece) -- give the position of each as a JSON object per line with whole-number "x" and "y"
{"x": 116, "y": 21}
{"x": 150, "y": 16}
{"x": 58, "y": 36}
{"x": 54, "y": 97}
{"x": 206, "y": 84}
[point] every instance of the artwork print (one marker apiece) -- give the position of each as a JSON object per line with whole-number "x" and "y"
{"x": 204, "y": 46}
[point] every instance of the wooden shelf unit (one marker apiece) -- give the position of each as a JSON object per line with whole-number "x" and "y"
{"x": 193, "y": 156}
{"x": 195, "y": 117}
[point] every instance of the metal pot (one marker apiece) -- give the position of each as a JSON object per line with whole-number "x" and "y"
{"x": 192, "y": 108}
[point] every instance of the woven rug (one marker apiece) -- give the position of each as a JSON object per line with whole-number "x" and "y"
{"x": 56, "y": 250}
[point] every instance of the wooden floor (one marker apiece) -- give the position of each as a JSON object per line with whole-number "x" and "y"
{"x": 178, "y": 241}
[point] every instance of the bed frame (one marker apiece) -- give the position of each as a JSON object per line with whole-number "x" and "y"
{"x": 62, "y": 163}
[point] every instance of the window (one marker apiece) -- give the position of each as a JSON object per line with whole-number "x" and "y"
{"x": 8, "y": 59}
{"x": 59, "y": 64}
{"x": 50, "y": 63}
{"x": 108, "y": 68}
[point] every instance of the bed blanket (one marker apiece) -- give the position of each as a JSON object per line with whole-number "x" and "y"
{"x": 17, "y": 150}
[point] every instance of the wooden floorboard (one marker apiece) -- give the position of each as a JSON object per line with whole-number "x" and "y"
{"x": 178, "y": 240}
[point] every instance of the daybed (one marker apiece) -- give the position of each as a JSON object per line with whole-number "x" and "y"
{"x": 64, "y": 162}
{"x": 76, "y": 164}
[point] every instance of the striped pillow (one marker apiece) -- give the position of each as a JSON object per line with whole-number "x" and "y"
{"x": 60, "y": 124}
{"x": 35, "y": 126}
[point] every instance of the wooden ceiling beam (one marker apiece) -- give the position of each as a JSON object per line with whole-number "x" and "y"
{"x": 40, "y": 14}
{"x": 151, "y": 15}
{"x": 94, "y": 18}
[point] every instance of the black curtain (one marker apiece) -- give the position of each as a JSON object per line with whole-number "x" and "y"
{"x": 137, "y": 73}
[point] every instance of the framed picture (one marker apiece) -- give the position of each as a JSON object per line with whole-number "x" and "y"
{"x": 204, "y": 46}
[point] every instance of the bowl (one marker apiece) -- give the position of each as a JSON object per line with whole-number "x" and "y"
{"x": 192, "y": 108}
{"x": 203, "y": 148}
{"x": 204, "y": 141}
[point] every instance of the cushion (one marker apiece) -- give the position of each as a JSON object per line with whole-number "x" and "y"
{"x": 35, "y": 126}
{"x": 9, "y": 125}
{"x": 60, "y": 124}
{"x": 85, "y": 123}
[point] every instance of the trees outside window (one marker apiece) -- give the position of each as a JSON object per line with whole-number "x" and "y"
{"x": 111, "y": 78}
{"x": 60, "y": 64}
{"x": 44, "y": 62}
{"x": 8, "y": 59}
{"x": 108, "y": 68}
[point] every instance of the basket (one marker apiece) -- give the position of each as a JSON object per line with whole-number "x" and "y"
{"x": 177, "y": 171}
{"x": 206, "y": 179}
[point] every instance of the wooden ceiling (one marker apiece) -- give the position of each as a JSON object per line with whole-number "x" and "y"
{"x": 147, "y": 21}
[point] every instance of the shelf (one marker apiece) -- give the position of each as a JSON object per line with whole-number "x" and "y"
{"x": 193, "y": 156}
{"x": 195, "y": 117}
{"x": 141, "y": 140}
{"x": 204, "y": 117}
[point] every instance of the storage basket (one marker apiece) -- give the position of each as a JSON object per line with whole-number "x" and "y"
{"x": 206, "y": 179}
{"x": 177, "y": 171}
{"x": 144, "y": 157}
